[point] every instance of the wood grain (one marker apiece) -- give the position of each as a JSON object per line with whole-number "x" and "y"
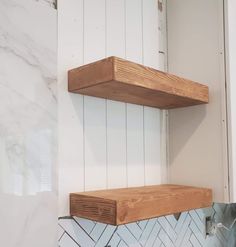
{"x": 117, "y": 79}
{"x": 121, "y": 206}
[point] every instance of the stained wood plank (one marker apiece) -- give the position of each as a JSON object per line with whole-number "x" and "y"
{"x": 118, "y": 79}
{"x": 121, "y": 206}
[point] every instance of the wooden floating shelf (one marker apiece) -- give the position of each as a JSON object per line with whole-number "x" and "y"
{"x": 117, "y": 79}
{"x": 121, "y": 206}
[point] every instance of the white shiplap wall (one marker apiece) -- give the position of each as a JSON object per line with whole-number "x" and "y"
{"x": 102, "y": 143}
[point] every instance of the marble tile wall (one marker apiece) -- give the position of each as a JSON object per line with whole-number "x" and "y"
{"x": 28, "y": 120}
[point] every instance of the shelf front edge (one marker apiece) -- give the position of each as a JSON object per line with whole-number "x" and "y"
{"x": 121, "y": 80}
{"x": 122, "y": 206}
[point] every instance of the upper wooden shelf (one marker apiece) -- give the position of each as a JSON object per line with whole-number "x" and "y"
{"x": 117, "y": 79}
{"x": 121, "y": 206}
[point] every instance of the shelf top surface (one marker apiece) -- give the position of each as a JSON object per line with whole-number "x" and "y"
{"x": 155, "y": 191}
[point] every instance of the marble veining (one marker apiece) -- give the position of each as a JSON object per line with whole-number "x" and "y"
{"x": 28, "y": 123}
{"x": 28, "y": 98}
{"x": 27, "y": 46}
{"x": 51, "y": 3}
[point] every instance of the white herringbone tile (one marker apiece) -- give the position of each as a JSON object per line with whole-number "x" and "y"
{"x": 114, "y": 241}
{"x": 172, "y": 220}
{"x": 186, "y": 237}
{"x": 157, "y": 242}
{"x": 135, "y": 230}
{"x": 165, "y": 238}
{"x": 105, "y": 236}
{"x": 122, "y": 244}
{"x": 200, "y": 214}
{"x": 180, "y": 222}
{"x": 168, "y": 229}
{"x": 127, "y": 236}
{"x": 183, "y": 229}
{"x": 200, "y": 225}
{"x": 152, "y": 237}
{"x": 97, "y": 231}
{"x": 194, "y": 241}
{"x": 87, "y": 225}
{"x": 60, "y": 232}
{"x": 76, "y": 232}
{"x": 187, "y": 231}
{"x": 67, "y": 241}
{"x": 142, "y": 224}
{"x": 197, "y": 232}
{"x": 147, "y": 231}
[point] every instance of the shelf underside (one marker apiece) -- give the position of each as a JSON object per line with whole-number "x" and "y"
{"x": 117, "y": 79}
{"x": 121, "y": 206}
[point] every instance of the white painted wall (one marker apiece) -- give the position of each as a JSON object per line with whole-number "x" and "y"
{"x": 231, "y": 87}
{"x": 198, "y": 135}
{"x": 102, "y": 143}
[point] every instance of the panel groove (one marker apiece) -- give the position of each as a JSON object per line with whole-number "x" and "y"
{"x": 106, "y": 145}
{"x": 84, "y": 141}
{"x": 144, "y": 148}
{"x": 126, "y": 142}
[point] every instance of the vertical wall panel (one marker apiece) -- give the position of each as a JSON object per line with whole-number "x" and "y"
{"x": 95, "y": 143}
{"x": 115, "y": 28}
{"x": 135, "y": 151}
{"x": 150, "y": 34}
{"x": 162, "y": 35}
{"x": 103, "y": 143}
{"x": 135, "y": 134}
{"x": 152, "y": 146}
{"x": 116, "y": 113}
{"x": 134, "y": 33}
{"x": 116, "y": 145}
{"x": 70, "y": 55}
{"x": 152, "y": 136}
{"x": 94, "y": 108}
{"x": 94, "y": 30}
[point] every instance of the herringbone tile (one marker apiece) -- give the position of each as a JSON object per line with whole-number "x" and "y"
{"x": 187, "y": 231}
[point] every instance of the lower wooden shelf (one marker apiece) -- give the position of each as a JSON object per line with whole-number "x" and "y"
{"x": 121, "y": 206}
